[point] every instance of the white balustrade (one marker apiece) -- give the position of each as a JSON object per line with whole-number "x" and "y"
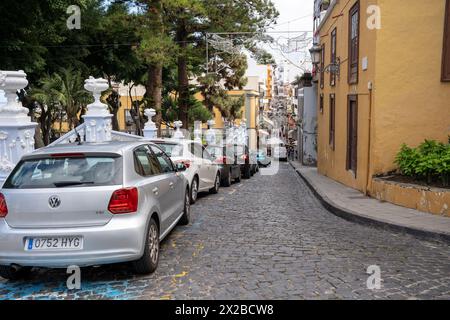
{"x": 16, "y": 129}
{"x": 150, "y": 130}
{"x": 97, "y": 118}
{"x": 178, "y": 134}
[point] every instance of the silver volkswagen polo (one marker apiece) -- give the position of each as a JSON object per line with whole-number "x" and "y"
{"x": 90, "y": 204}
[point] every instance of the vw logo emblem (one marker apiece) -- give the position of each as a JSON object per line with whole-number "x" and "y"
{"x": 54, "y": 202}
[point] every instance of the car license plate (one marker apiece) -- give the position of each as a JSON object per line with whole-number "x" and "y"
{"x": 54, "y": 243}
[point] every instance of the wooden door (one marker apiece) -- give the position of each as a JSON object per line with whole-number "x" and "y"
{"x": 352, "y": 134}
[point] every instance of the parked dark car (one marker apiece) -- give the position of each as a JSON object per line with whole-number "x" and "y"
{"x": 244, "y": 160}
{"x": 227, "y": 160}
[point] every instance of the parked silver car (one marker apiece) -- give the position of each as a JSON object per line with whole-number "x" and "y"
{"x": 90, "y": 204}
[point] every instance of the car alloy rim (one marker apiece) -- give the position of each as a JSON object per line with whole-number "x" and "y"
{"x": 154, "y": 243}
{"x": 194, "y": 190}
{"x": 217, "y": 182}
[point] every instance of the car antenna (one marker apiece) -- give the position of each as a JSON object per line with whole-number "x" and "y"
{"x": 78, "y": 137}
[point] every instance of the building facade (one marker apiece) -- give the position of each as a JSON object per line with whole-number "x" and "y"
{"x": 383, "y": 81}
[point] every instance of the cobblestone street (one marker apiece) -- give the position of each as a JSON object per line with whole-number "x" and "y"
{"x": 265, "y": 238}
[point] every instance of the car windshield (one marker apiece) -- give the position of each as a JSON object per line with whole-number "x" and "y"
{"x": 66, "y": 172}
{"x": 215, "y": 151}
{"x": 171, "y": 149}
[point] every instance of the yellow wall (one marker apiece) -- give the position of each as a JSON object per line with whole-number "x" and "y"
{"x": 412, "y": 102}
{"x": 125, "y": 104}
{"x": 333, "y": 163}
{"x": 409, "y": 102}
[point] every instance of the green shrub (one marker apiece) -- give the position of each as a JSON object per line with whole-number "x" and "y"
{"x": 429, "y": 161}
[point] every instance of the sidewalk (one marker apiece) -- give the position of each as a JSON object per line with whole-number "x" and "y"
{"x": 352, "y": 205}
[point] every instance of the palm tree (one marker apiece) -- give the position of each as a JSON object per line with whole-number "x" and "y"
{"x": 74, "y": 97}
{"x": 49, "y": 98}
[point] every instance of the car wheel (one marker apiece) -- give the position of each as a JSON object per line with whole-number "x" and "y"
{"x": 216, "y": 187}
{"x": 194, "y": 190}
{"x": 14, "y": 273}
{"x": 238, "y": 179}
{"x": 149, "y": 261}
{"x": 186, "y": 217}
{"x": 227, "y": 182}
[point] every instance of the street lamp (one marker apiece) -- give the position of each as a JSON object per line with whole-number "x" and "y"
{"x": 315, "y": 52}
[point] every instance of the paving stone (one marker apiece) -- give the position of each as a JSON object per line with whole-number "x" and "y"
{"x": 271, "y": 239}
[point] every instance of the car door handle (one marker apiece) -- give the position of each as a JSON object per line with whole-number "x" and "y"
{"x": 155, "y": 191}
{"x": 171, "y": 185}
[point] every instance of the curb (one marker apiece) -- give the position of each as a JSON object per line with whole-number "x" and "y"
{"x": 354, "y": 217}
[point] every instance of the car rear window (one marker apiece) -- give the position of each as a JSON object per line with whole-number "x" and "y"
{"x": 217, "y": 151}
{"x": 60, "y": 172}
{"x": 172, "y": 150}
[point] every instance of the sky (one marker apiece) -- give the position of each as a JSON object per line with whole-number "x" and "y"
{"x": 295, "y": 15}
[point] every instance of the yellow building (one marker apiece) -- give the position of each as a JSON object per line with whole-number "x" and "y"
{"x": 392, "y": 86}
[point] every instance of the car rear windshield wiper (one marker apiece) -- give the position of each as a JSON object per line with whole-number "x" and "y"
{"x": 61, "y": 184}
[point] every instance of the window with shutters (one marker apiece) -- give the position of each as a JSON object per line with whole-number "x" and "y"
{"x": 322, "y": 67}
{"x": 353, "y": 50}
{"x": 445, "y": 76}
{"x": 332, "y": 121}
{"x": 333, "y": 57}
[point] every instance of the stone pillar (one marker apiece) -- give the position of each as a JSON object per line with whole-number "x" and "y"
{"x": 211, "y": 133}
{"x": 243, "y": 133}
{"x": 198, "y": 131}
{"x": 150, "y": 130}
{"x": 16, "y": 128}
{"x": 97, "y": 118}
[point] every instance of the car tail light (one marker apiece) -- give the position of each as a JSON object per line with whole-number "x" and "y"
{"x": 186, "y": 163}
{"x": 68, "y": 155}
{"x": 244, "y": 157}
{"x": 3, "y": 206}
{"x": 124, "y": 201}
{"x": 221, "y": 160}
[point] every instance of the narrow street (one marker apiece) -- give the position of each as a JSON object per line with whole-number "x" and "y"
{"x": 265, "y": 238}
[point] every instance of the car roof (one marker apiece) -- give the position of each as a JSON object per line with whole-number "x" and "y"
{"x": 172, "y": 141}
{"x": 106, "y": 147}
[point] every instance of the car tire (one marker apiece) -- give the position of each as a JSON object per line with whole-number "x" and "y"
{"x": 186, "y": 217}
{"x": 148, "y": 263}
{"x": 247, "y": 173}
{"x": 227, "y": 182}
{"x": 238, "y": 179}
{"x": 194, "y": 190}
{"x": 216, "y": 187}
{"x": 11, "y": 273}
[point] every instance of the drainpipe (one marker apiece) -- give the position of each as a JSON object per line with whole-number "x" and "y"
{"x": 369, "y": 144}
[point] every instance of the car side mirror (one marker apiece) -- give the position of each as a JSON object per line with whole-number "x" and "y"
{"x": 181, "y": 167}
